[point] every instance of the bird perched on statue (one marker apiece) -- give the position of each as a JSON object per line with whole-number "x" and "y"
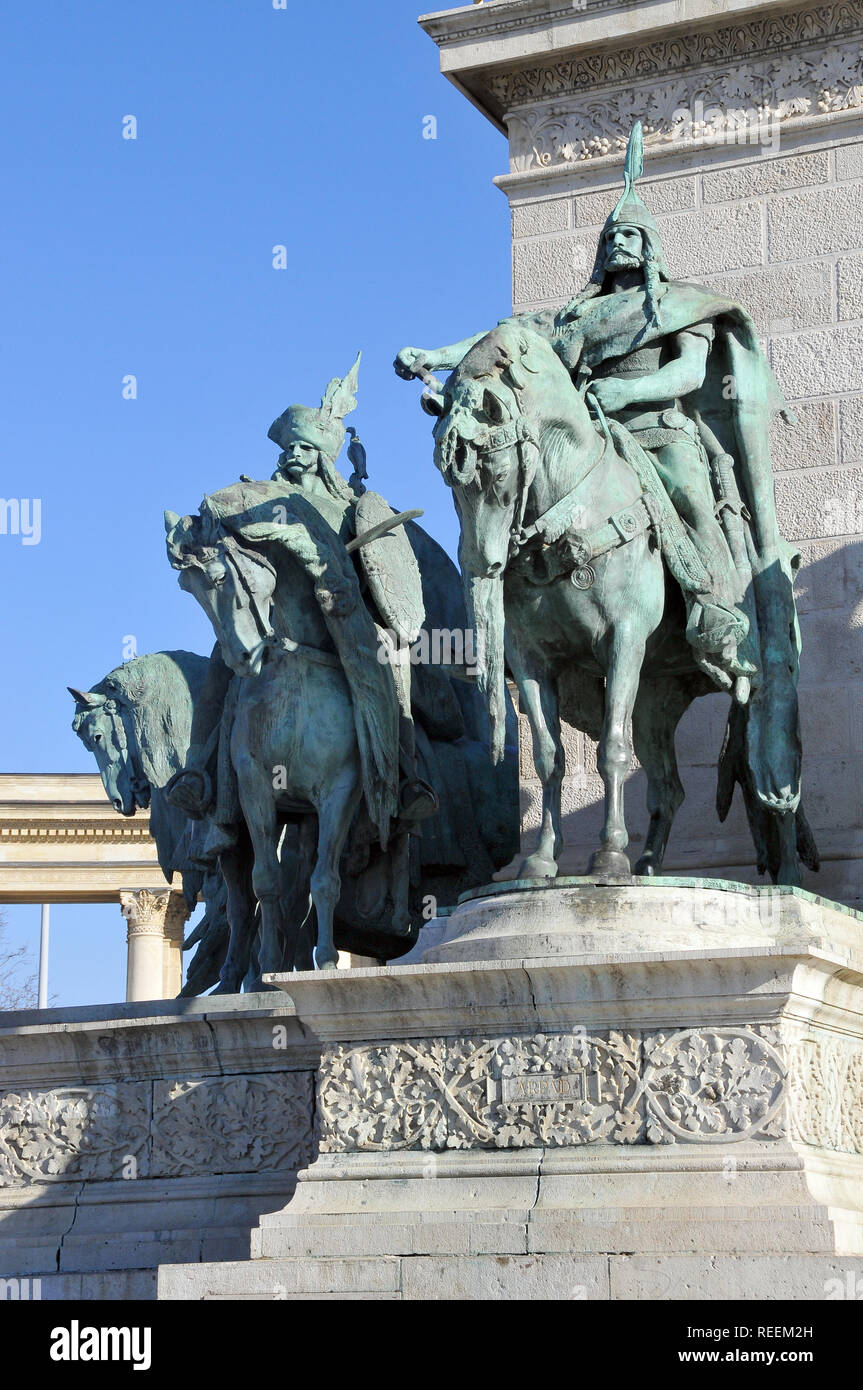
{"x": 357, "y": 456}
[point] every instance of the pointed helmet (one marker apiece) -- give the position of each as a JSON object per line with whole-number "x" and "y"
{"x": 630, "y": 211}
{"x": 320, "y": 426}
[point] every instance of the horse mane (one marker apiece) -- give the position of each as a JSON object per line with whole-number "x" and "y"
{"x": 160, "y": 691}
{"x": 557, "y": 441}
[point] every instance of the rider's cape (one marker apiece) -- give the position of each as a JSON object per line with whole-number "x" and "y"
{"x": 736, "y": 402}
{"x": 270, "y": 512}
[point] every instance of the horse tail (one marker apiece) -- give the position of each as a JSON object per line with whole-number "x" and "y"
{"x": 379, "y": 768}
{"x": 376, "y": 712}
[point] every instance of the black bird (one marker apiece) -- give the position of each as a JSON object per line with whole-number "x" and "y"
{"x": 357, "y": 456}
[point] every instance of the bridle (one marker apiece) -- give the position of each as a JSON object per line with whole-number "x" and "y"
{"x": 517, "y": 432}
{"x": 239, "y": 561}
{"x": 118, "y": 711}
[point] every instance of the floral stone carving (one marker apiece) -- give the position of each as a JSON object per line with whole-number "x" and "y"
{"x": 191, "y": 1128}
{"x": 232, "y": 1124}
{"x": 687, "y": 87}
{"x": 75, "y": 1133}
{"x": 825, "y": 1086}
{"x": 555, "y": 1090}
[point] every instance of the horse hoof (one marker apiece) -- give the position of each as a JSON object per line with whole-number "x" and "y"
{"x": 227, "y": 987}
{"x": 536, "y": 866}
{"x": 330, "y": 963}
{"x": 646, "y": 867}
{"x": 610, "y": 861}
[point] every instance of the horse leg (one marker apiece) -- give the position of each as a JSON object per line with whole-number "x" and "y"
{"x": 539, "y": 699}
{"x": 335, "y": 814}
{"x": 296, "y": 903}
{"x": 400, "y": 858}
{"x": 658, "y": 709}
{"x": 789, "y": 860}
{"x": 243, "y": 922}
{"x": 304, "y": 938}
{"x": 259, "y": 809}
{"x": 615, "y": 747}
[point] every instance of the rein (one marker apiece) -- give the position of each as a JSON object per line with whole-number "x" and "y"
{"x": 118, "y": 711}
{"x": 616, "y": 530}
{"x": 231, "y": 551}
{"x": 518, "y": 432}
{"x": 559, "y": 513}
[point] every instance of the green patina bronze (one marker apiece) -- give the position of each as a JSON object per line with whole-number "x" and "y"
{"x": 610, "y": 467}
{"x": 137, "y": 722}
{"x": 313, "y": 587}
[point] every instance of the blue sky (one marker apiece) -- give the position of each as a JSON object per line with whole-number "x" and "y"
{"x": 153, "y": 257}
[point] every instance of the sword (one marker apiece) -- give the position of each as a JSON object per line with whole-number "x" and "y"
{"x": 383, "y": 527}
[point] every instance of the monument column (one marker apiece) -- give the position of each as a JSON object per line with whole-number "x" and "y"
{"x": 155, "y": 939}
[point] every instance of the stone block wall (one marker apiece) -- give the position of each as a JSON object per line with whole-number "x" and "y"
{"x": 135, "y": 1135}
{"x": 783, "y": 234}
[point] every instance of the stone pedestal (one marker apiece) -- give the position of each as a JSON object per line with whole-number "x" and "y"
{"x": 155, "y": 943}
{"x": 136, "y": 1134}
{"x": 588, "y": 1091}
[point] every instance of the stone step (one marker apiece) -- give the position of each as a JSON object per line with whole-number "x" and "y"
{"x": 805, "y": 1230}
{"x": 118, "y": 1251}
{"x": 281, "y": 1279}
{"x": 705, "y": 1276}
{"x": 97, "y": 1286}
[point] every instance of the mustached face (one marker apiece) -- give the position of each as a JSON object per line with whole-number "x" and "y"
{"x": 624, "y": 248}
{"x": 300, "y": 459}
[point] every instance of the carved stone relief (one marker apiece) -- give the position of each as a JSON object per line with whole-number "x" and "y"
{"x": 724, "y": 84}
{"x": 187, "y": 1128}
{"x": 233, "y": 1124}
{"x": 825, "y": 1093}
{"x": 563, "y": 1089}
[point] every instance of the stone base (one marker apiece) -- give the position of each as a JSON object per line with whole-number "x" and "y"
{"x": 674, "y": 1109}
{"x": 132, "y": 1135}
{"x": 543, "y": 1224}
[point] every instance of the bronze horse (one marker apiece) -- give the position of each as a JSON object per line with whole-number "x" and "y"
{"x": 604, "y": 630}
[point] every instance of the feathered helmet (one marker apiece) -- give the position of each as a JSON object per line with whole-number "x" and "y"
{"x": 321, "y": 427}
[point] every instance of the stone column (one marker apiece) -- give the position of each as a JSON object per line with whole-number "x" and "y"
{"x": 154, "y": 937}
{"x": 176, "y": 917}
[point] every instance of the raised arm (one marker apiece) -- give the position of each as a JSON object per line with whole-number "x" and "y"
{"x": 411, "y": 361}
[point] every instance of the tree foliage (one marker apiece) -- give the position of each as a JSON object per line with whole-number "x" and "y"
{"x": 18, "y": 985}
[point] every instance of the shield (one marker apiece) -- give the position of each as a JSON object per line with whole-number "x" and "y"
{"x": 391, "y": 568}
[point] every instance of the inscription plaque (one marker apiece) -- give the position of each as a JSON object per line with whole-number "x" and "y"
{"x": 543, "y": 1088}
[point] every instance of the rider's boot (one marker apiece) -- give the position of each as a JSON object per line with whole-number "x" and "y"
{"x": 715, "y": 630}
{"x": 219, "y": 839}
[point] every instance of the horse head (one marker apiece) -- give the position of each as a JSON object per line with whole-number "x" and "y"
{"x": 233, "y": 584}
{"x": 104, "y": 725}
{"x": 485, "y": 445}
{"x": 487, "y": 449}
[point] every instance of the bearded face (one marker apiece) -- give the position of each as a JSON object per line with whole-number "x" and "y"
{"x": 624, "y": 248}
